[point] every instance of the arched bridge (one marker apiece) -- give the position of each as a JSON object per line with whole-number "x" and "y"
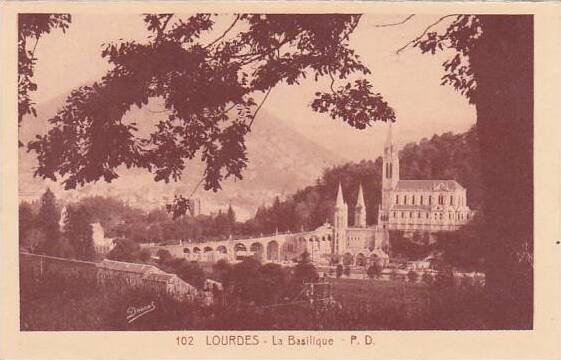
{"x": 273, "y": 248}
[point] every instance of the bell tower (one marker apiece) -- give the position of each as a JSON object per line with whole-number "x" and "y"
{"x": 390, "y": 174}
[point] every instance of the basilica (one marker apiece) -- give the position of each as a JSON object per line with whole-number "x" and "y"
{"x": 424, "y": 206}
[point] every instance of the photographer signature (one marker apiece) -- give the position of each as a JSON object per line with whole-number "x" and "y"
{"x": 134, "y": 312}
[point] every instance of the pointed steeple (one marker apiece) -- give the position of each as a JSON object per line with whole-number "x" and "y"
{"x": 360, "y": 209}
{"x": 360, "y": 198}
{"x": 340, "y": 201}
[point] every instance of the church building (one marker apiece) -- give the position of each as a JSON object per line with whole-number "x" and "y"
{"x": 419, "y": 205}
{"x": 426, "y": 206}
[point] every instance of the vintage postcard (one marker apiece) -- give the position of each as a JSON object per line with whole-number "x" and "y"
{"x": 280, "y": 180}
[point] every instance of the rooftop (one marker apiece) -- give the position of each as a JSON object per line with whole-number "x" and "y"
{"x": 428, "y": 185}
{"x": 130, "y": 267}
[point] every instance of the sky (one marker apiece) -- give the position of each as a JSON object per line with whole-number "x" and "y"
{"x": 410, "y": 81}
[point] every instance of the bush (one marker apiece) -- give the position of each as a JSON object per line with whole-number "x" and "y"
{"x": 339, "y": 271}
{"x": 427, "y": 278}
{"x": 163, "y": 255}
{"x": 374, "y": 270}
{"x": 444, "y": 279}
{"x": 412, "y": 276}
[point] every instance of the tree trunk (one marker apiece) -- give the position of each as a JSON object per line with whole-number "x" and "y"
{"x": 503, "y": 66}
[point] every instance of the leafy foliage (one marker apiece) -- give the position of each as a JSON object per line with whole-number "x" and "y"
{"x": 461, "y": 35}
{"x": 354, "y": 103}
{"x": 128, "y": 251}
{"x": 208, "y": 92}
{"x": 30, "y": 28}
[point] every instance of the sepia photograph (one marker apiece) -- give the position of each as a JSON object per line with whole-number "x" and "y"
{"x": 275, "y": 171}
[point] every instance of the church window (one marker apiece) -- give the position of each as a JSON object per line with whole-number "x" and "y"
{"x": 440, "y": 216}
{"x": 391, "y": 170}
{"x": 450, "y": 216}
{"x": 418, "y": 214}
{"x": 430, "y": 200}
{"x": 413, "y": 199}
{"x": 427, "y": 215}
{"x": 397, "y": 199}
{"x": 451, "y": 199}
{"x": 404, "y": 199}
{"x": 421, "y": 200}
{"x": 394, "y": 214}
{"x": 403, "y": 214}
{"x": 410, "y": 214}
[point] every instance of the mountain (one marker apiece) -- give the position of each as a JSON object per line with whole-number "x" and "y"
{"x": 281, "y": 160}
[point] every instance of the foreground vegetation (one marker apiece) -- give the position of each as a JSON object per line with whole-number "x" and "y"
{"x": 255, "y": 297}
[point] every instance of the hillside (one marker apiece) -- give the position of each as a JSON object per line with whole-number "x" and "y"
{"x": 445, "y": 156}
{"x": 281, "y": 160}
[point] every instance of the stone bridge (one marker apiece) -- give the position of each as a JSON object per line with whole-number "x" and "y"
{"x": 272, "y": 248}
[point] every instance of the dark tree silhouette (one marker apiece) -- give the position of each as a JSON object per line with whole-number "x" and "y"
{"x": 493, "y": 68}
{"x": 48, "y": 221}
{"x": 26, "y": 223}
{"x": 79, "y": 233}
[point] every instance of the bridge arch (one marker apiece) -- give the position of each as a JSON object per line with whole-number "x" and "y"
{"x": 239, "y": 247}
{"x": 273, "y": 250}
{"x": 186, "y": 251}
{"x": 257, "y": 249}
{"x": 196, "y": 250}
{"x": 207, "y": 249}
{"x": 222, "y": 249}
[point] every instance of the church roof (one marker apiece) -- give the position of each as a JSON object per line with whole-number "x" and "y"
{"x": 412, "y": 207}
{"x": 428, "y": 185}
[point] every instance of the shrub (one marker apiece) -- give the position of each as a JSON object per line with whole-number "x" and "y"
{"x": 444, "y": 279}
{"x": 427, "y": 278}
{"x": 374, "y": 270}
{"x": 412, "y": 276}
{"x": 339, "y": 270}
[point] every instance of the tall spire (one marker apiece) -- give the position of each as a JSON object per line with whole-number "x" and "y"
{"x": 360, "y": 209}
{"x": 340, "y": 201}
{"x": 360, "y": 198}
{"x": 389, "y": 136}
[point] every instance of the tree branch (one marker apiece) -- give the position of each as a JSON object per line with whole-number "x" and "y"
{"x": 163, "y": 27}
{"x": 424, "y": 33}
{"x": 196, "y": 187}
{"x": 332, "y": 82}
{"x": 394, "y": 24}
{"x": 259, "y": 107}
{"x": 225, "y": 32}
